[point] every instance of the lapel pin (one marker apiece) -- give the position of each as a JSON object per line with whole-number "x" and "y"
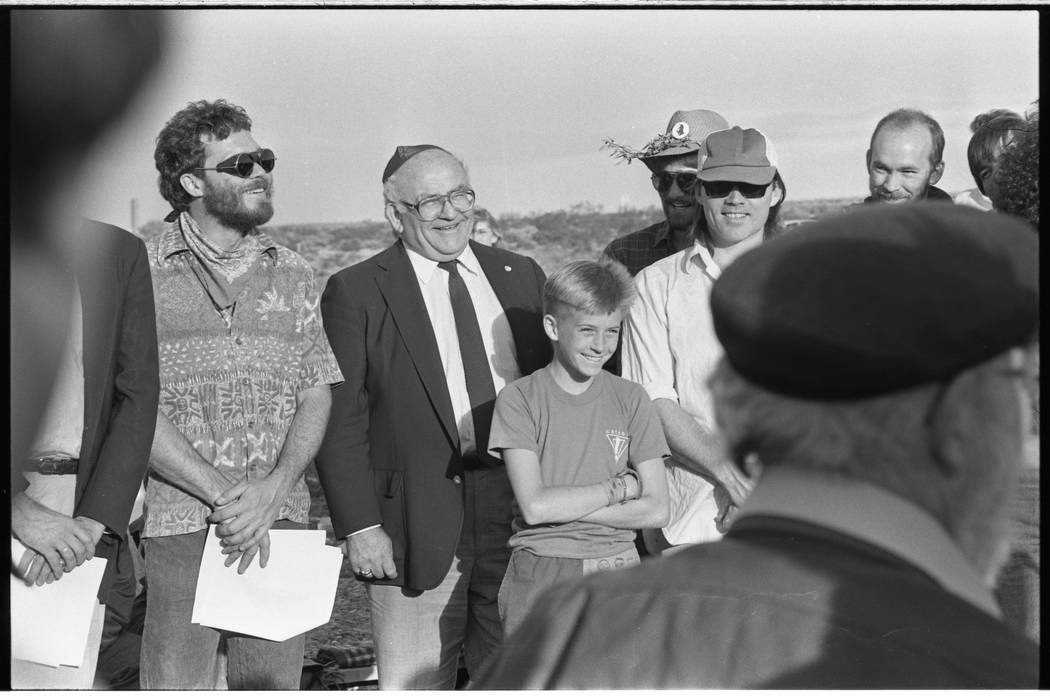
{"x": 507, "y": 268}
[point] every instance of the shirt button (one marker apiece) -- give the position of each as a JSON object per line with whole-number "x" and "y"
{"x": 457, "y": 480}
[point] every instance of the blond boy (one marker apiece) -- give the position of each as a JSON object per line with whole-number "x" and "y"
{"x": 584, "y": 449}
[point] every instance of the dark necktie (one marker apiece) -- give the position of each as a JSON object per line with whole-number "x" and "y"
{"x": 480, "y": 389}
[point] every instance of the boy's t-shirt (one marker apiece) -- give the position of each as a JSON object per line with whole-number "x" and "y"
{"x": 580, "y": 439}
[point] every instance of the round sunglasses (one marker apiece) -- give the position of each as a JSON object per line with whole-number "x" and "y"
{"x": 242, "y": 164}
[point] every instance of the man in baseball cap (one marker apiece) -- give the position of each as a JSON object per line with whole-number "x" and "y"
{"x": 672, "y": 159}
{"x": 889, "y": 420}
{"x": 669, "y": 344}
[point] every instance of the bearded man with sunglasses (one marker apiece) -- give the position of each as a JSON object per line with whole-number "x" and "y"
{"x": 672, "y": 161}
{"x": 669, "y": 345}
{"x": 245, "y": 371}
{"x": 426, "y": 333}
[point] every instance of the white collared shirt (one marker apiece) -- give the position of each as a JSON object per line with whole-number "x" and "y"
{"x": 872, "y": 514}
{"x": 670, "y": 348}
{"x": 495, "y": 333}
{"x": 973, "y": 198}
{"x": 61, "y": 427}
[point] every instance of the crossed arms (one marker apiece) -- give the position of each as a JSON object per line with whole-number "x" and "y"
{"x": 646, "y": 505}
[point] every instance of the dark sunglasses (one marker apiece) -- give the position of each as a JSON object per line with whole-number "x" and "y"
{"x": 721, "y": 189}
{"x": 242, "y": 164}
{"x": 662, "y": 181}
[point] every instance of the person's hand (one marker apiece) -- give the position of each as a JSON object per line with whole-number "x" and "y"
{"x": 244, "y": 513}
{"x": 93, "y": 526}
{"x": 735, "y": 483}
{"x": 246, "y": 557}
{"x": 726, "y": 510}
{"x": 371, "y": 554}
{"x": 58, "y": 542}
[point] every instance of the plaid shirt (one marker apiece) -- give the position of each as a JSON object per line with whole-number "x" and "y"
{"x": 232, "y": 390}
{"x": 642, "y": 248}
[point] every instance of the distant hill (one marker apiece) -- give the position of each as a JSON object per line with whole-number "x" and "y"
{"x": 552, "y": 238}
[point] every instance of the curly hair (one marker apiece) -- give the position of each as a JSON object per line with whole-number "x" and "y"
{"x": 989, "y": 131}
{"x": 180, "y": 148}
{"x": 1018, "y": 174}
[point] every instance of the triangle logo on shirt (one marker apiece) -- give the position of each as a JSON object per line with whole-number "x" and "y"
{"x": 619, "y": 441}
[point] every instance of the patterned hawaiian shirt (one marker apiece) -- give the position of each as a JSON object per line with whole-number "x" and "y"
{"x": 230, "y": 385}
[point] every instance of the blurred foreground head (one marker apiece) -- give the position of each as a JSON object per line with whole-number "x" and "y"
{"x": 72, "y": 74}
{"x": 891, "y": 346}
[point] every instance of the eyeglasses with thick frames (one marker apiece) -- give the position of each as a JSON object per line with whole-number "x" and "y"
{"x": 662, "y": 181}
{"x": 719, "y": 189}
{"x": 430, "y": 208}
{"x": 242, "y": 164}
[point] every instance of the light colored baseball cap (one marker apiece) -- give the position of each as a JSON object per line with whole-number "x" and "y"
{"x": 738, "y": 155}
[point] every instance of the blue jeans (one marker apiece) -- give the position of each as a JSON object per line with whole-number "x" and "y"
{"x": 419, "y": 635}
{"x": 177, "y": 654}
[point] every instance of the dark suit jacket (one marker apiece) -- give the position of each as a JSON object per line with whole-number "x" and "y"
{"x": 392, "y": 446}
{"x": 121, "y": 384}
{"x": 776, "y": 604}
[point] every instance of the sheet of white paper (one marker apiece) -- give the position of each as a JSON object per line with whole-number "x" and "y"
{"x": 293, "y": 594}
{"x": 50, "y": 623}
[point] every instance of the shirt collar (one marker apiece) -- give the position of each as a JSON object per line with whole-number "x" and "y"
{"x": 425, "y": 267}
{"x": 872, "y": 514}
{"x": 172, "y": 241}
{"x": 700, "y": 257}
{"x": 662, "y": 233}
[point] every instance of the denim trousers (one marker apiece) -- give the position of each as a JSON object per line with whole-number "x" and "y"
{"x": 177, "y": 654}
{"x": 419, "y": 635}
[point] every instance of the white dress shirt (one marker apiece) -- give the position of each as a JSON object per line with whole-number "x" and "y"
{"x": 495, "y": 333}
{"x": 670, "y": 348}
{"x": 973, "y": 198}
{"x": 61, "y": 427}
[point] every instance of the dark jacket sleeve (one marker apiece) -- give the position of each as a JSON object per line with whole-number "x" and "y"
{"x": 343, "y": 461}
{"x": 125, "y": 449}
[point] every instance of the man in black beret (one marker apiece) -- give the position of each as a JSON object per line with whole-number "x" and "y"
{"x": 881, "y": 384}
{"x": 426, "y": 333}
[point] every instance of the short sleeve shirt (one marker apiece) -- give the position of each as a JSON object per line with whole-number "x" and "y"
{"x": 231, "y": 390}
{"x": 580, "y": 439}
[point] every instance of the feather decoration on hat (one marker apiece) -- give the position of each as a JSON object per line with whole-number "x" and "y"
{"x": 658, "y": 145}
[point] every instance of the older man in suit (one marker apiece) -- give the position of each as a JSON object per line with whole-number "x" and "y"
{"x": 426, "y": 333}
{"x": 74, "y": 495}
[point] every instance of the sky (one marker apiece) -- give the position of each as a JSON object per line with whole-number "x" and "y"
{"x": 526, "y": 97}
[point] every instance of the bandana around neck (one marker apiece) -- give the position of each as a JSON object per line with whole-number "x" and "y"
{"x": 222, "y": 272}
